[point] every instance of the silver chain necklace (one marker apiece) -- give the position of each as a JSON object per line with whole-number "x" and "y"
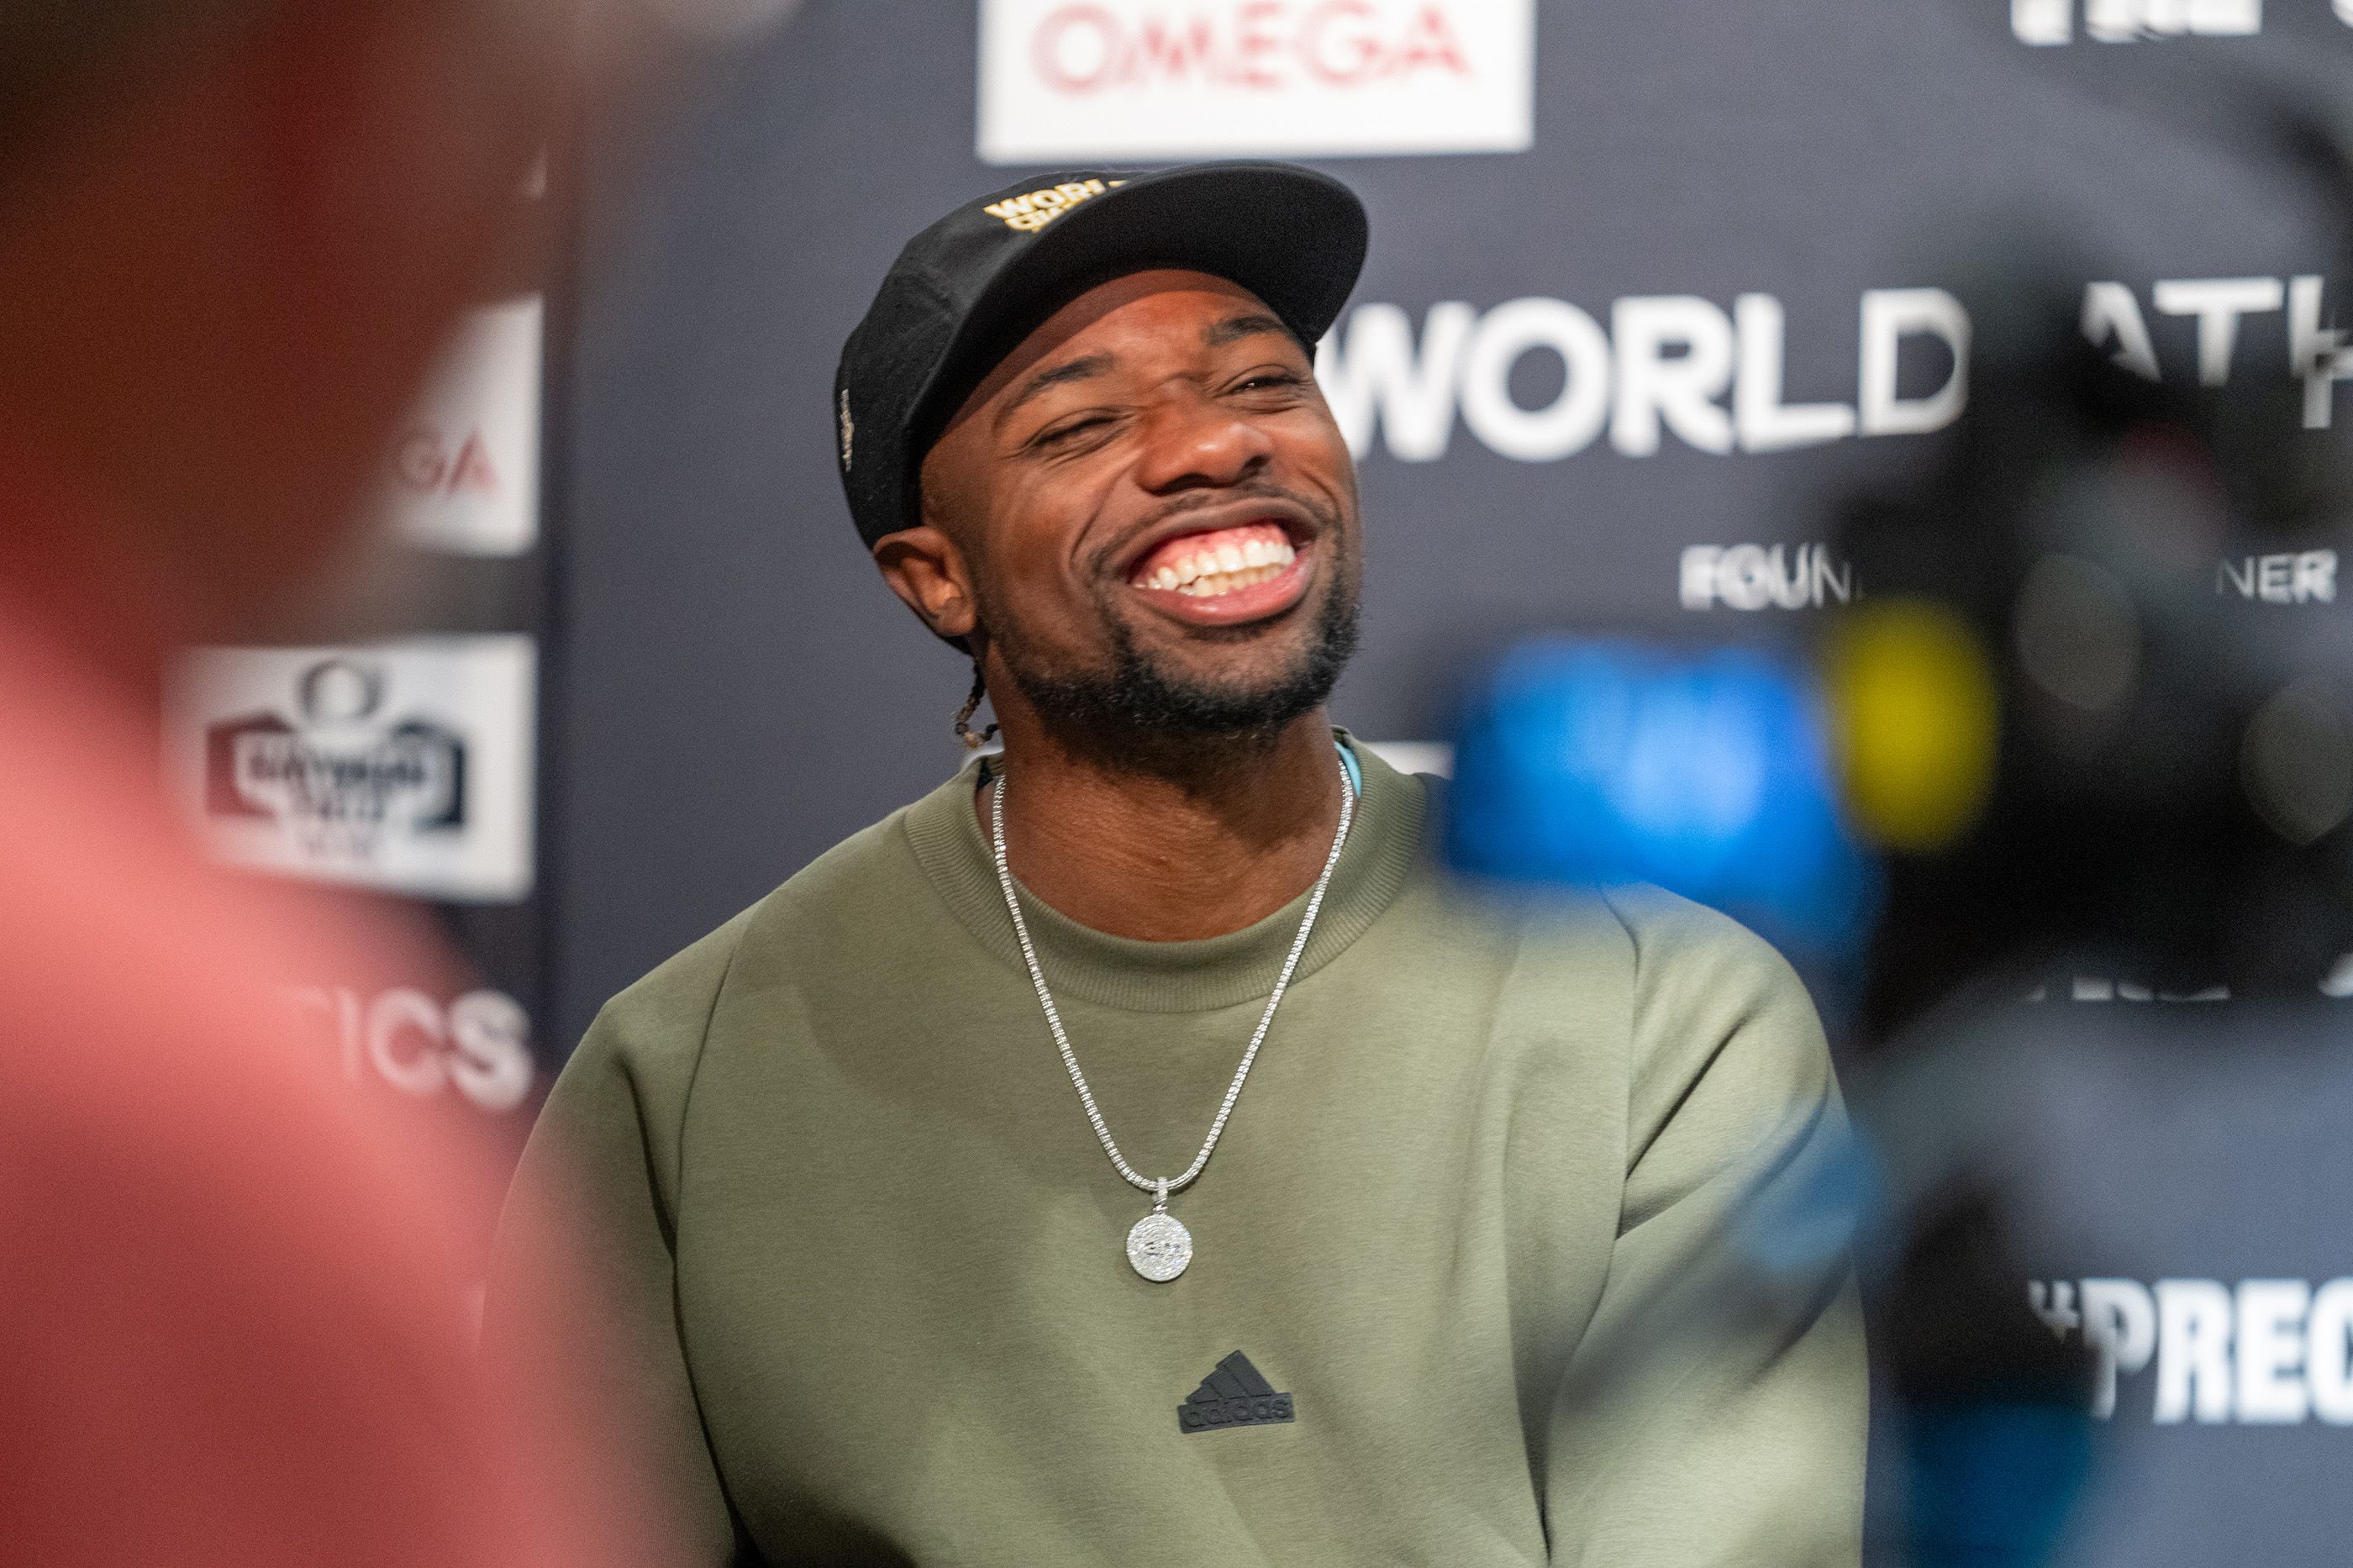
{"x": 1159, "y": 1247}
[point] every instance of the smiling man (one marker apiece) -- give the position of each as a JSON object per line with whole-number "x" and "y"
{"x": 1135, "y": 1152}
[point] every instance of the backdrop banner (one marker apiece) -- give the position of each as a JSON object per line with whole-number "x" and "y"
{"x": 1647, "y": 286}
{"x": 1650, "y": 287}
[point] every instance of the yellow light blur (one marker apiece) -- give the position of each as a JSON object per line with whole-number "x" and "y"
{"x": 1914, "y": 712}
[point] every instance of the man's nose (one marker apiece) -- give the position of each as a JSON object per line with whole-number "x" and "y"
{"x": 1194, "y": 444}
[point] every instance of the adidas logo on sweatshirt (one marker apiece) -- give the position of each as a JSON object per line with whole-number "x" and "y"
{"x": 1233, "y": 1396}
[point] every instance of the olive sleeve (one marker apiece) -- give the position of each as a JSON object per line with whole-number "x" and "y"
{"x": 582, "y": 1297}
{"x": 1715, "y": 1410}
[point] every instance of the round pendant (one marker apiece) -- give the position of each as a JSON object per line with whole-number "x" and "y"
{"x": 1159, "y": 1247}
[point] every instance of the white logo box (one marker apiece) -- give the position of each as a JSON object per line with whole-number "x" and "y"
{"x": 405, "y": 766}
{"x": 463, "y": 475}
{"x": 1085, "y": 81}
{"x": 2044, "y": 21}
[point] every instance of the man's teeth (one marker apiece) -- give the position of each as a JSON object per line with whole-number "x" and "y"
{"x": 1223, "y": 568}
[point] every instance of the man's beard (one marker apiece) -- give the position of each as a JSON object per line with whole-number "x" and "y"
{"x": 1133, "y": 711}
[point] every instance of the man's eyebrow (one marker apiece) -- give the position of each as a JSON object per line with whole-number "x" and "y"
{"x": 1086, "y": 369}
{"x": 1234, "y": 329}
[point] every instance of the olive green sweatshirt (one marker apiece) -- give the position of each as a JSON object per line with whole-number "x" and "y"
{"x": 869, "y": 1257}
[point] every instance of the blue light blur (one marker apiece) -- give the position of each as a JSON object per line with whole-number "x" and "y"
{"x": 1586, "y": 763}
{"x": 1992, "y": 1485}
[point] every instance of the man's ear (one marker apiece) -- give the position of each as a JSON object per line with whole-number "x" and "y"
{"x": 926, "y": 569}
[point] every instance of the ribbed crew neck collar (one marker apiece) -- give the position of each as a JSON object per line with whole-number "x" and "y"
{"x": 1173, "y": 977}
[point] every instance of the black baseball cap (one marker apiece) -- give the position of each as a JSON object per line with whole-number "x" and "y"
{"x": 966, "y": 290}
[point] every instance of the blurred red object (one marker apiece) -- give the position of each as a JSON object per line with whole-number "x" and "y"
{"x": 234, "y": 1292}
{"x": 235, "y": 1297}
